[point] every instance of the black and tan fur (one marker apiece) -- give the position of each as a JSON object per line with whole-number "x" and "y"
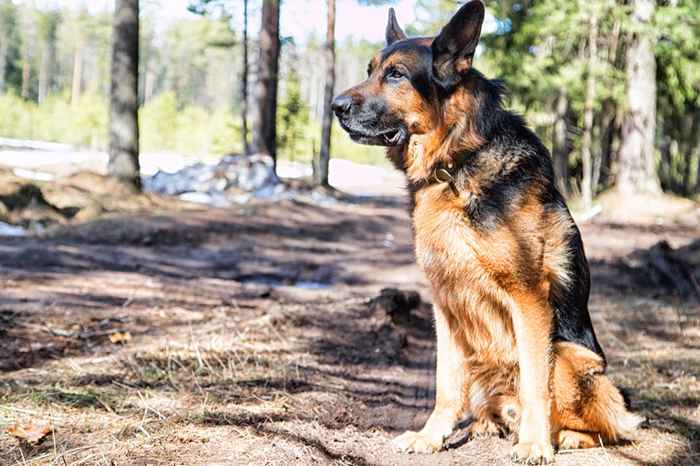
{"x": 516, "y": 347}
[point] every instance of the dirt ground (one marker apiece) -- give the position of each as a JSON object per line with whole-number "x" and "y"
{"x": 247, "y": 336}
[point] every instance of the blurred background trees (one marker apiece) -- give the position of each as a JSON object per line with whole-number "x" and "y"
{"x": 611, "y": 86}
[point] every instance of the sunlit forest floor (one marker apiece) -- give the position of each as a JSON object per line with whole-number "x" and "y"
{"x": 246, "y": 336}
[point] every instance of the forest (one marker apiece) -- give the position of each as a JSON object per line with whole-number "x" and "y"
{"x": 199, "y": 264}
{"x": 585, "y": 75}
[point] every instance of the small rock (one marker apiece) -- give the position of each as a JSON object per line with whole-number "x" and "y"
{"x": 396, "y": 304}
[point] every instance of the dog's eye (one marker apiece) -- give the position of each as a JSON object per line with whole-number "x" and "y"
{"x": 395, "y": 74}
{"x": 369, "y": 70}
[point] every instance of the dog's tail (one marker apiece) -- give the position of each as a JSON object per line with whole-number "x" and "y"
{"x": 588, "y": 400}
{"x": 608, "y": 411}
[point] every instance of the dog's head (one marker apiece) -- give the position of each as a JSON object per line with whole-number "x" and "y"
{"x": 407, "y": 80}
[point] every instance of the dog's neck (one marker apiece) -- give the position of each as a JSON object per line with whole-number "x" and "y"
{"x": 454, "y": 132}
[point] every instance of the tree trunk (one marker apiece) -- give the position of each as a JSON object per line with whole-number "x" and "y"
{"x": 265, "y": 110}
{"x": 697, "y": 153}
{"x": 44, "y": 73}
{"x": 637, "y": 167}
{"x": 4, "y": 50}
{"x": 77, "y": 84}
{"x": 26, "y": 71}
{"x": 561, "y": 147}
{"x": 587, "y": 138}
{"x": 321, "y": 162}
{"x": 123, "y": 123}
{"x": 608, "y": 127}
{"x": 244, "y": 82}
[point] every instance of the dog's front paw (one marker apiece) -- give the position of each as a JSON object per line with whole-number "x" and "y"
{"x": 533, "y": 453}
{"x": 417, "y": 442}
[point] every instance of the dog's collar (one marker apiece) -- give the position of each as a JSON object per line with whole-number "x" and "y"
{"x": 444, "y": 174}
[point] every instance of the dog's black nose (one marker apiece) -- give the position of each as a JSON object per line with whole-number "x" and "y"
{"x": 341, "y": 104}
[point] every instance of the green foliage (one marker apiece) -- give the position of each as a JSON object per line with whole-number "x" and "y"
{"x": 292, "y": 118}
{"x": 55, "y": 120}
{"x": 191, "y": 130}
{"x": 678, "y": 103}
{"x": 10, "y": 40}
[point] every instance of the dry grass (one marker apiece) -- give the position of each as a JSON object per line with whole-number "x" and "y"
{"x": 228, "y": 370}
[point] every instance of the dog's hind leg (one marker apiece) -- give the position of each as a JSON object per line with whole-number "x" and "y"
{"x": 450, "y": 393}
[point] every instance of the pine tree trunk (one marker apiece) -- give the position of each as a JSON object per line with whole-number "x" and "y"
{"x": 321, "y": 162}
{"x": 123, "y": 124}
{"x": 265, "y": 110}
{"x": 561, "y": 147}
{"x": 244, "y": 82}
{"x": 587, "y": 137}
{"x": 4, "y": 50}
{"x": 637, "y": 167}
{"x": 77, "y": 84}
{"x": 608, "y": 127}
{"x": 44, "y": 74}
{"x": 26, "y": 71}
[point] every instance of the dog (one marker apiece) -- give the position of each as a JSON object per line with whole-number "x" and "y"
{"x": 516, "y": 349}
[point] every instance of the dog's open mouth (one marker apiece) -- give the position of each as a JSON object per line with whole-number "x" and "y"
{"x": 392, "y": 137}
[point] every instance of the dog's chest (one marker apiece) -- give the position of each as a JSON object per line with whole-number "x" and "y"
{"x": 447, "y": 246}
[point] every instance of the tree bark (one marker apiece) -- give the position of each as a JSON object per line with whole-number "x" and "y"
{"x": 123, "y": 123}
{"x": 587, "y": 137}
{"x": 608, "y": 128}
{"x": 77, "y": 82}
{"x": 320, "y": 166}
{"x": 4, "y": 50}
{"x": 637, "y": 167}
{"x": 265, "y": 111}
{"x": 561, "y": 147}
{"x": 45, "y": 72}
{"x": 244, "y": 82}
{"x": 26, "y": 70}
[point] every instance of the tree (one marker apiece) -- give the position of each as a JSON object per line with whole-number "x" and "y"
{"x": 8, "y": 41}
{"x": 223, "y": 9}
{"x": 244, "y": 82}
{"x": 123, "y": 122}
{"x": 321, "y": 162}
{"x": 47, "y": 25}
{"x": 264, "y": 129}
{"x": 292, "y": 115}
{"x": 637, "y": 162}
{"x": 561, "y": 142}
{"x": 587, "y": 140}
{"x": 322, "y": 159}
{"x": 77, "y": 77}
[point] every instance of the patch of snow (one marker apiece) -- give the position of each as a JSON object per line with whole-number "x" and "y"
{"x": 25, "y": 144}
{"x": 304, "y": 285}
{"x": 153, "y": 162}
{"x": 233, "y": 180}
{"x": 288, "y": 169}
{"x": 10, "y": 230}
{"x": 33, "y": 175}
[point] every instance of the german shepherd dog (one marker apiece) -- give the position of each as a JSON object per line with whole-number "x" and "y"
{"x": 516, "y": 350}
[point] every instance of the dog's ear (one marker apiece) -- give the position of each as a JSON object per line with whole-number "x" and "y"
{"x": 393, "y": 30}
{"x": 453, "y": 49}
